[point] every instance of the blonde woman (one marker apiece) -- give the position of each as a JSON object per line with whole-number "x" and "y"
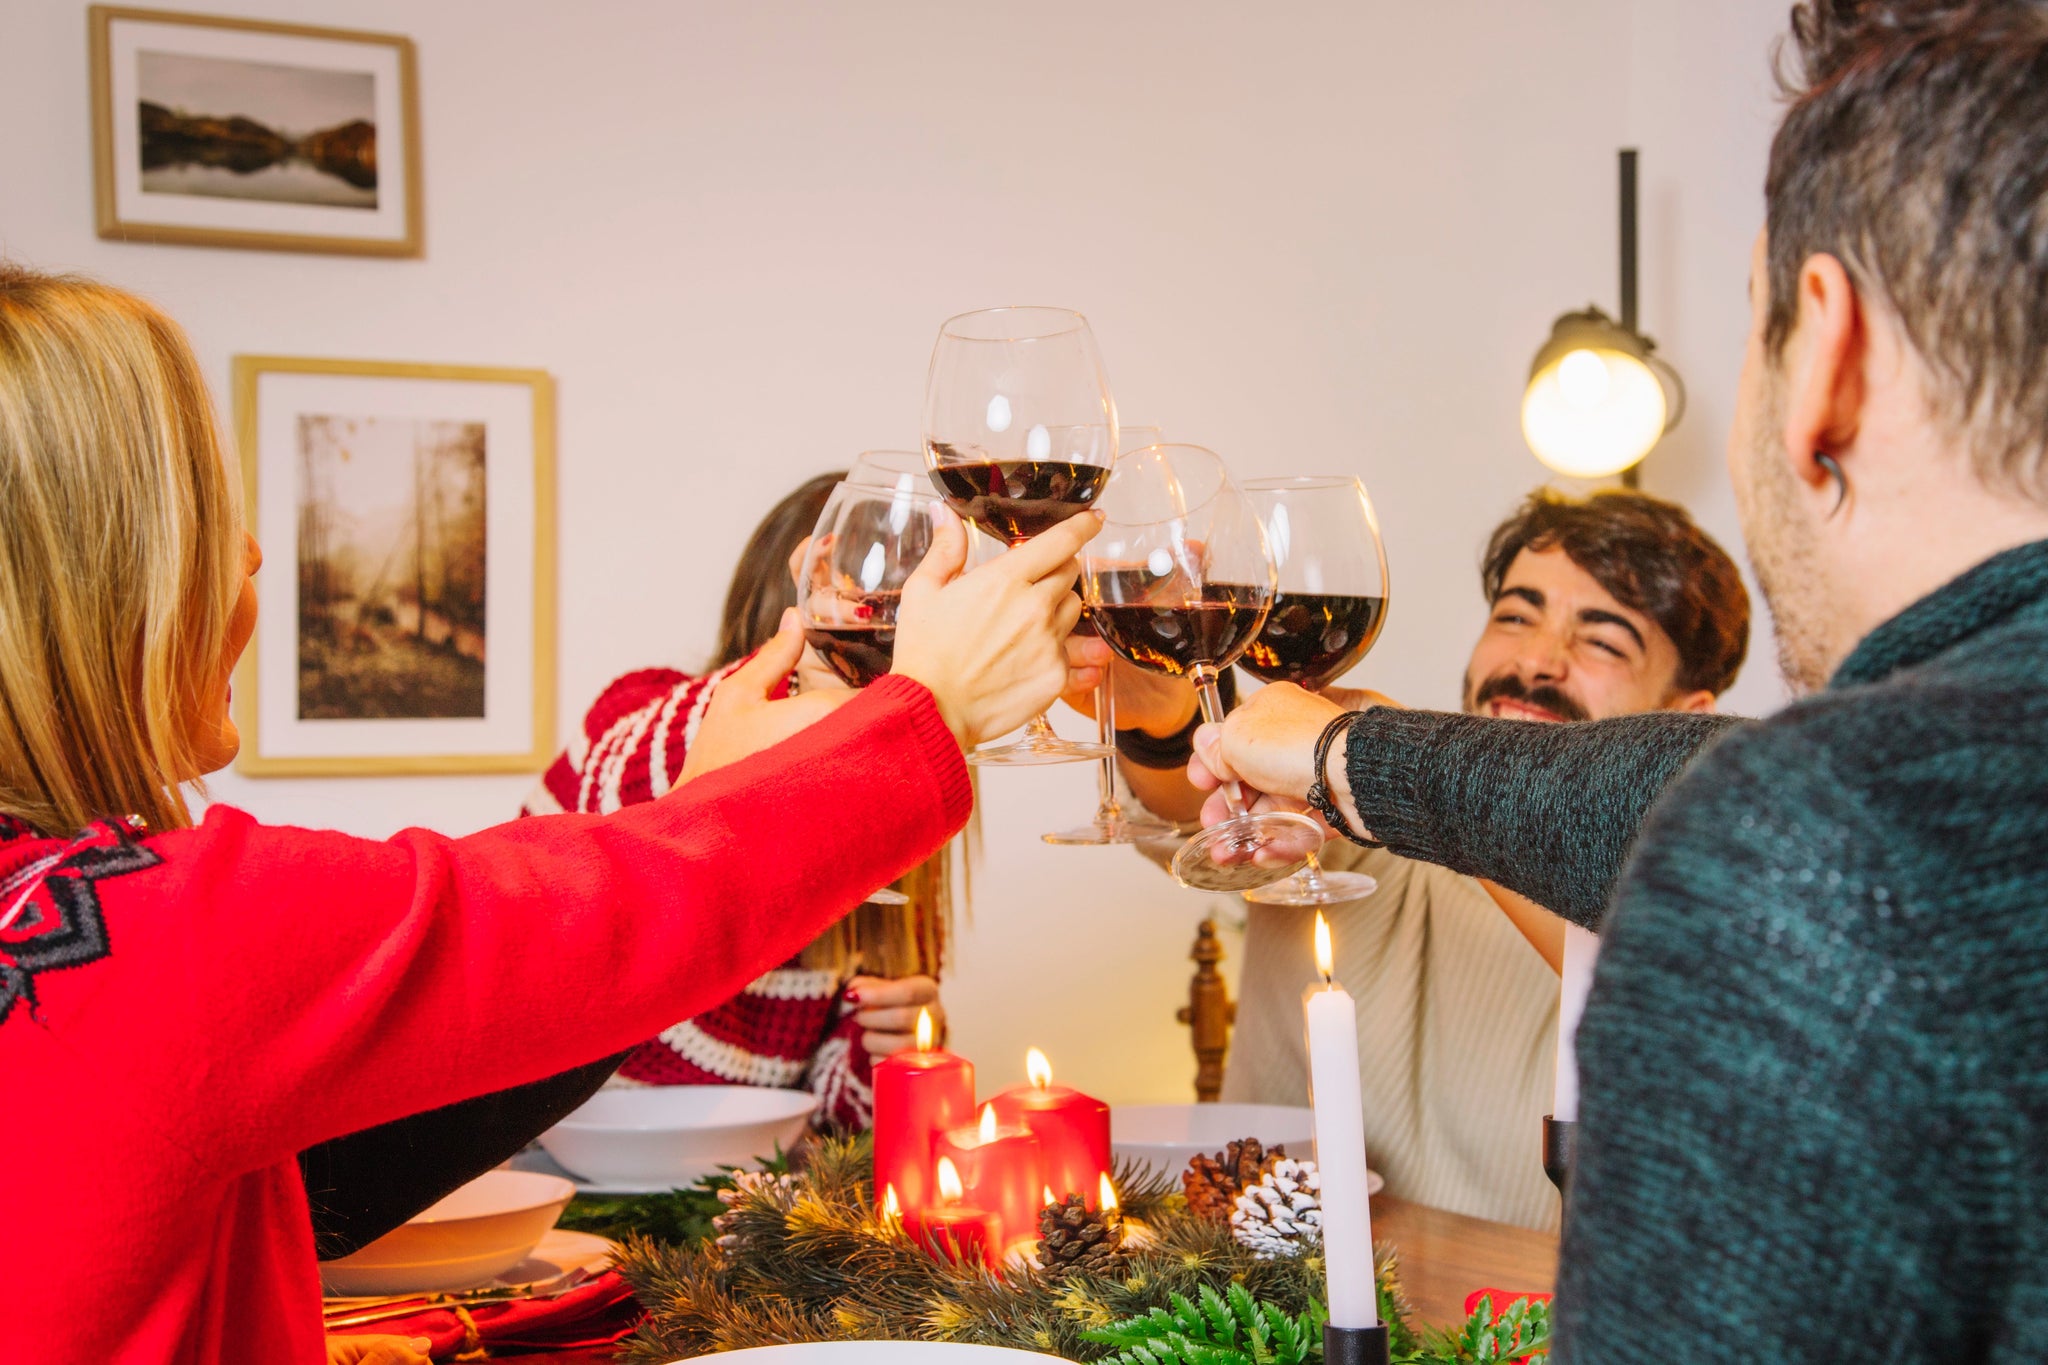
{"x": 185, "y": 1007}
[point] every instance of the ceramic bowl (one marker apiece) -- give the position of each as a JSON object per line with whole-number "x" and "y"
{"x": 483, "y": 1229}
{"x": 667, "y": 1136}
{"x": 1168, "y": 1136}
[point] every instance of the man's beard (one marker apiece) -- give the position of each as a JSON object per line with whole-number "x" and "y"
{"x": 1781, "y": 552}
{"x": 1512, "y": 688}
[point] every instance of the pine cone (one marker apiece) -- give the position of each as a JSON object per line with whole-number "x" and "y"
{"x": 1212, "y": 1184}
{"x": 1282, "y": 1214}
{"x": 779, "y": 1190}
{"x": 1075, "y": 1238}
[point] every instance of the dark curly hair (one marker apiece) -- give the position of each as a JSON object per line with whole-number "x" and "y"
{"x": 1652, "y": 558}
{"x": 1915, "y": 152}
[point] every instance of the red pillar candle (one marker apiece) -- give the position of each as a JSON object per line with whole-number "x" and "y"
{"x": 1072, "y": 1129}
{"x": 1000, "y": 1171}
{"x": 918, "y": 1095}
{"x": 952, "y": 1230}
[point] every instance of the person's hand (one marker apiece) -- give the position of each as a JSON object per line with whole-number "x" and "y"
{"x": 1267, "y": 746}
{"x": 741, "y": 720}
{"x": 886, "y": 1009}
{"x": 990, "y": 642}
{"x": 346, "y": 1348}
{"x": 1153, "y": 702}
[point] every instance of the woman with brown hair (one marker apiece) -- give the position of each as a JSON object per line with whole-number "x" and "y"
{"x": 184, "y": 1008}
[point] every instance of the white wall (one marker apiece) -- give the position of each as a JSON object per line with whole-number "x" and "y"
{"x": 1315, "y": 236}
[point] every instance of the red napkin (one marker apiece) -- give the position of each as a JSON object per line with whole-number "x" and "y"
{"x": 1502, "y": 1300}
{"x": 595, "y": 1314}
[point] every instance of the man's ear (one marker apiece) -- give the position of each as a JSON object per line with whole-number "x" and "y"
{"x": 1823, "y": 370}
{"x": 1699, "y": 703}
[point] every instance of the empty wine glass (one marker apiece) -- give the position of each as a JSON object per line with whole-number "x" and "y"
{"x": 903, "y": 469}
{"x": 1179, "y": 581}
{"x": 1332, "y": 567}
{"x": 1019, "y": 435}
{"x": 1111, "y": 823}
{"x": 868, "y": 542}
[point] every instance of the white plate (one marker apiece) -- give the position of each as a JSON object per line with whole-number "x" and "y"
{"x": 666, "y": 1136}
{"x": 1168, "y": 1136}
{"x": 469, "y": 1238}
{"x": 880, "y": 1353}
{"x": 560, "y": 1252}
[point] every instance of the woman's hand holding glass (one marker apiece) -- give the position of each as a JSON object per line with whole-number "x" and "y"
{"x": 886, "y": 1009}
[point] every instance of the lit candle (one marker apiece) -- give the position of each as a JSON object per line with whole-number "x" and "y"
{"x": 1340, "y": 1145}
{"x": 1072, "y": 1128}
{"x": 1000, "y": 1170}
{"x": 950, "y": 1228}
{"x": 1581, "y": 951}
{"x": 918, "y": 1095}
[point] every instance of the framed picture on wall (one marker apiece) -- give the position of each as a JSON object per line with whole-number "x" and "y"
{"x": 406, "y": 516}
{"x": 235, "y": 132}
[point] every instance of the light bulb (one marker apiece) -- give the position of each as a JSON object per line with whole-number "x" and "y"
{"x": 1593, "y": 413}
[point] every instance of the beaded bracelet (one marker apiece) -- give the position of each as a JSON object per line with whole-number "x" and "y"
{"x": 1319, "y": 791}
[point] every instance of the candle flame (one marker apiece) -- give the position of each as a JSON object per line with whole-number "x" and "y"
{"x": 1108, "y": 1193}
{"x": 925, "y": 1031}
{"x": 1039, "y": 1068}
{"x": 1048, "y": 1197}
{"x": 988, "y": 1123}
{"x": 951, "y": 1190}
{"x": 892, "y": 1209}
{"x": 1324, "y": 957}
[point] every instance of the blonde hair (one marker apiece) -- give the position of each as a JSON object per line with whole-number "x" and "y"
{"x": 119, "y": 555}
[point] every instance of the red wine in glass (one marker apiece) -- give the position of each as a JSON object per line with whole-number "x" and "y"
{"x": 859, "y": 652}
{"x": 1014, "y": 500}
{"x": 1314, "y": 638}
{"x": 1174, "y": 638}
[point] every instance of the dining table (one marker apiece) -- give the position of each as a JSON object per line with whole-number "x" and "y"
{"x": 1444, "y": 1256}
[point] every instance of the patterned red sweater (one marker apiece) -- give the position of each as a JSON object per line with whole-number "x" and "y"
{"x": 181, "y": 1014}
{"x": 789, "y": 1027}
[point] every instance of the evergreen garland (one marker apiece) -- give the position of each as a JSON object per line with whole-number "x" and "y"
{"x": 812, "y": 1262}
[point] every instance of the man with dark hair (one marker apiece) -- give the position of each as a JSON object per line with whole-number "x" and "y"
{"x": 1814, "y": 1114}
{"x": 1600, "y": 606}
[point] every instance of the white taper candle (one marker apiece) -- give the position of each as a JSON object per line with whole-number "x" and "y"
{"x": 1581, "y": 951}
{"x": 1332, "y": 1021}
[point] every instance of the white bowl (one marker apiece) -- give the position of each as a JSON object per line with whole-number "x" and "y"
{"x": 880, "y": 1353}
{"x": 668, "y": 1136}
{"x": 1168, "y": 1136}
{"x": 483, "y": 1229}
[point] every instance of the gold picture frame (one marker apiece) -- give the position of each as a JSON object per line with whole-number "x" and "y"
{"x": 330, "y": 684}
{"x": 184, "y": 150}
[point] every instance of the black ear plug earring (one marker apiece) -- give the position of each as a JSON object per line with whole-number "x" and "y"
{"x": 1834, "y": 468}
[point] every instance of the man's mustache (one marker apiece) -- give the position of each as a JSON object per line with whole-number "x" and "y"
{"x": 1511, "y": 687}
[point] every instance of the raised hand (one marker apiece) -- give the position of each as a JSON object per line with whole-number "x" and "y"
{"x": 990, "y": 642}
{"x": 741, "y": 719}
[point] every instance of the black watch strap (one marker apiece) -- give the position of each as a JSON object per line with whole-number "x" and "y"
{"x": 1174, "y": 750}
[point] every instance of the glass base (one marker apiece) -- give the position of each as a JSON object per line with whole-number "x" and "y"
{"x": 1247, "y": 851}
{"x": 1032, "y": 750}
{"x": 1323, "y": 888}
{"x": 888, "y": 895}
{"x": 1111, "y": 829}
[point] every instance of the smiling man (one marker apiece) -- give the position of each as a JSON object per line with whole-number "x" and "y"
{"x": 1607, "y": 605}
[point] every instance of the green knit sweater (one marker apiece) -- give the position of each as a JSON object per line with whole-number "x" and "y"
{"x": 1814, "y": 1123}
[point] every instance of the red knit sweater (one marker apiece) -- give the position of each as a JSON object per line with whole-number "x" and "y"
{"x": 181, "y": 1014}
{"x": 787, "y": 1027}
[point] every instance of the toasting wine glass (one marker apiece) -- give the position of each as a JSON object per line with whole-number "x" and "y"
{"x": 1019, "y": 434}
{"x": 903, "y": 469}
{"x": 868, "y": 541}
{"x": 1179, "y": 581}
{"x": 1332, "y": 567}
{"x": 1111, "y": 824}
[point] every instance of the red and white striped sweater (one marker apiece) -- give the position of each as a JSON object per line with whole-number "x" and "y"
{"x": 789, "y": 1027}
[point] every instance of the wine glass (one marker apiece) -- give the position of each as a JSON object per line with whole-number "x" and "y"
{"x": 1019, "y": 435}
{"x": 868, "y": 541}
{"x": 1332, "y": 568}
{"x": 1110, "y": 823}
{"x": 904, "y": 469}
{"x": 1179, "y": 580}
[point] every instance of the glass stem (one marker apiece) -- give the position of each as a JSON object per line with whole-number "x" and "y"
{"x": 1312, "y": 875}
{"x": 1109, "y": 811}
{"x": 1208, "y": 692}
{"x": 1040, "y": 730}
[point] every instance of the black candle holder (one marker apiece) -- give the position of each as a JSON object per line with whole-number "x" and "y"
{"x": 1355, "y": 1345}
{"x": 1560, "y": 1150}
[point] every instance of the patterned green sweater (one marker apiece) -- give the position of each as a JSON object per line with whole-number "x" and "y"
{"x": 1814, "y": 1123}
